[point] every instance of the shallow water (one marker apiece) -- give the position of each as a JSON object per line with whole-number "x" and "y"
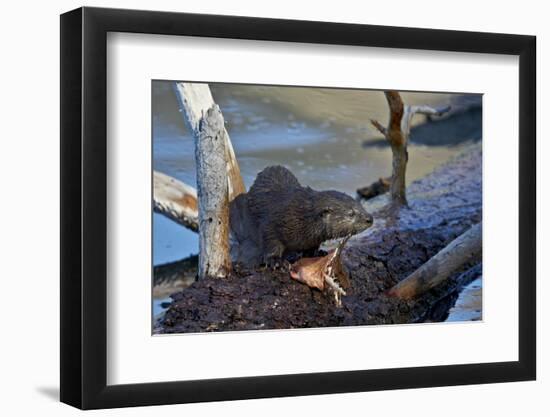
{"x": 319, "y": 134}
{"x": 468, "y": 306}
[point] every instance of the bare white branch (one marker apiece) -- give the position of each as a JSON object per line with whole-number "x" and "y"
{"x": 175, "y": 200}
{"x": 196, "y": 99}
{"x": 431, "y": 111}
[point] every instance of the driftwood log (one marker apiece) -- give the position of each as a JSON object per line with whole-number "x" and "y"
{"x": 441, "y": 207}
{"x": 464, "y": 249}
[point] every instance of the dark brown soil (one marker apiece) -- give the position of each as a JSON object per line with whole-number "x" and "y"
{"x": 441, "y": 206}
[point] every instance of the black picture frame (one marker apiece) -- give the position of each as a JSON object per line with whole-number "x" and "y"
{"x": 84, "y": 207}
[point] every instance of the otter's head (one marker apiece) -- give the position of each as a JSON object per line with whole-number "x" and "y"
{"x": 341, "y": 215}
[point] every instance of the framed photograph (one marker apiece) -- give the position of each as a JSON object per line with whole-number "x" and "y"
{"x": 257, "y": 208}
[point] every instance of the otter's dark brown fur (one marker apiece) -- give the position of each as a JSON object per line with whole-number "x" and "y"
{"x": 289, "y": 217}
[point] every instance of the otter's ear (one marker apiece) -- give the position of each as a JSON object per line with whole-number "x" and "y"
{"x": 325, "y": 211}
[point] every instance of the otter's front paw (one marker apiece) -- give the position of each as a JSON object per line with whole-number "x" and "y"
{"x": 273, "y": 263}
{"x": 273, "y": 254}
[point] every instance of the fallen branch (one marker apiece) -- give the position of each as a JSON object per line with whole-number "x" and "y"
{"x": 397, "y": 134}
{"x": 175, "y": 200}
{"x": 174, "y": 276}
{"x": 462, "y": 250}
{"x": 375, "y": 189}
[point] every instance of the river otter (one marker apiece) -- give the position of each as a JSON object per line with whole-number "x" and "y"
{"x": 278, "y": 215}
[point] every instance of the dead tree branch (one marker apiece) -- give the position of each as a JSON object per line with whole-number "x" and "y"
{"x": 430, "y": 111}
{"x": 465, "y": 248}
{"x": 219, "y": 179}
{"x": 397, "y": 134}
{"x": 212, "y": 187}
{"x": 175, "y": 200}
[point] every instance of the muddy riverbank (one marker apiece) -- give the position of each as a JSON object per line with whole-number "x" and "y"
{"x": 441, "y": 206}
